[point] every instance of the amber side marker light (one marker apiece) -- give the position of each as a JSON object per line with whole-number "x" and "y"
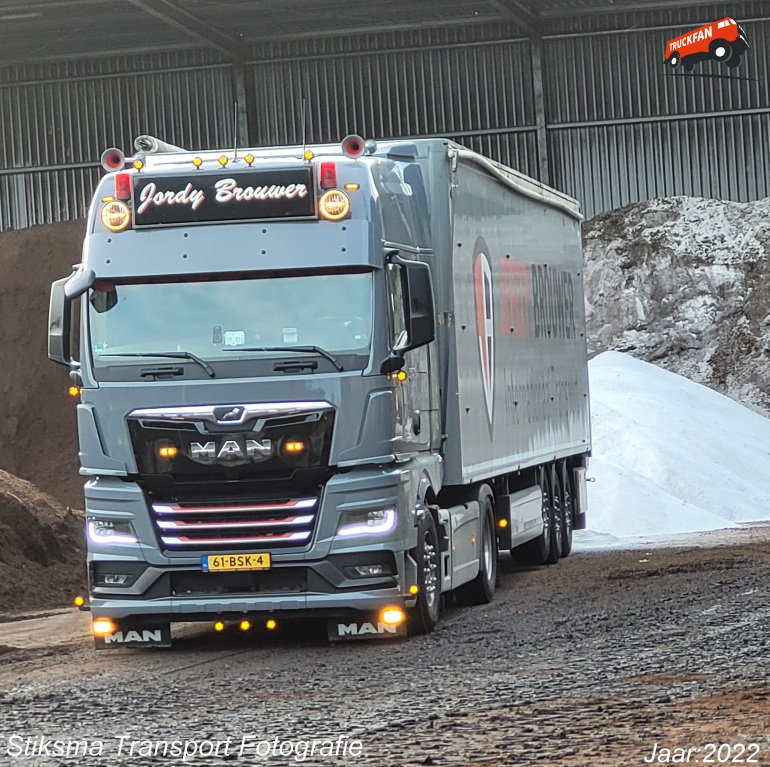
{"x": 74, "y": 391}
{"x": 352, "y": 187}
{"x": 219, "y": 626}
{"x": 168, "y": 451}
{"x": 245, "y": 625}
{"x": 414, "y": 589}
{"x": 392, "y": 616}
{"x": 503, "y": 523}
{"x": 103, "y": 626}
{"x": 270, "y": 625}
{"x": 79, "y": 601}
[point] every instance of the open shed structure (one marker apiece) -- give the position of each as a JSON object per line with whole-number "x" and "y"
{"x": 573, "y": 92}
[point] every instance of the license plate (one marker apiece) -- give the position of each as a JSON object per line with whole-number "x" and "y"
{"x": 222, "y": 563}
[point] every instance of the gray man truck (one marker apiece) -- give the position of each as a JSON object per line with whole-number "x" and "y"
{"x": 321, "y": 382}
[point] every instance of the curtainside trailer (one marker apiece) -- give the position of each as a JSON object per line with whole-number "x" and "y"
{"x": 329, "y": 382}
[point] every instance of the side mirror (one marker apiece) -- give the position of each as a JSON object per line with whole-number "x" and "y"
{"x": 420, "y": 312}
{"x": 59, "y": 323}
{"x": 78, "y": 283}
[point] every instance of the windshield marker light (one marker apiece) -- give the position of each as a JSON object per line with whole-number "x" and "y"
{"x": 116, "y": 216}
{"x": 334, "y": 205}
{"x": 386, "y": 524}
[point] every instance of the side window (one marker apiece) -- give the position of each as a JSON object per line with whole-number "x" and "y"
{"x": 398, "y": 332}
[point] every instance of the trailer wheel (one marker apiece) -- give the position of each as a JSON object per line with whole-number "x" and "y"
{"x": 482, "y": 588}
{"x": 567, "y": 502}
{"x": 423, "y": 617}
{"x": 721, "y": 50}
{"x": 538, "y": 550}
{"x": 557, "y": 511}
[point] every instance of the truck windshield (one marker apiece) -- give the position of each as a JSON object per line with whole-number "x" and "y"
{"x": 229, "y": 319}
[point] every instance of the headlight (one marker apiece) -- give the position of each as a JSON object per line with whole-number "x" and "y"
{"x": 108, "y": 531}
{"x": 377, "y": 522}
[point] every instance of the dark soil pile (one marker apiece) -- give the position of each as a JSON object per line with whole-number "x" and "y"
{"x": 38, "y": 437}
{"x": 42, "y": 548}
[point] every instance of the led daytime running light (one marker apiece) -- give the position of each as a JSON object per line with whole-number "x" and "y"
{"x": 387, "y": 525}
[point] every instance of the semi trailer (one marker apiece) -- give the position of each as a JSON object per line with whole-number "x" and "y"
{"x": 323, "y": 382}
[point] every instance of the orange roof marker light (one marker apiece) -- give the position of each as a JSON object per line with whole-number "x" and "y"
{"x": 308, "y": 155}
{"x": 223, "y": 161}
{"x": 197, "y": 162}
{"x": 249, "y": 159}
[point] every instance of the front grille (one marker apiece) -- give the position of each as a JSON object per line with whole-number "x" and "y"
{"x": 271, "y": 524}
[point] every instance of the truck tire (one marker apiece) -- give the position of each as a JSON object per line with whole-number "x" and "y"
{"x": 481, "y": 589}
{"x": 423, "y": 617}
{"x": 674, "y": 60}
{"x": 568, "y": 509}
{"x": 734, "y": 61}
{"x": 557, "y": 510}
{"x": 537, "y": 551}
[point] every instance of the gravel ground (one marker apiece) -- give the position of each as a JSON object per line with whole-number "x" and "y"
{"x": 590, "y": 662}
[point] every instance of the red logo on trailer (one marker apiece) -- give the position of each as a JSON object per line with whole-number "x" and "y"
{"x": 723, "y": 40}
{"x": 485, "y": 327}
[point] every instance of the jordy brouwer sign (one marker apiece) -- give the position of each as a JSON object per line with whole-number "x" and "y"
{"x": 224, "y": 196}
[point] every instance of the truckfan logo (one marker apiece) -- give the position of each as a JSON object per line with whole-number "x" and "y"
{"x": 485, "y": 326}
{"x": 723, "y": 41}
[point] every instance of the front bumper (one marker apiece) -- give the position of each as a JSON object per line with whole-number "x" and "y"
{"x": 320, "y": 579}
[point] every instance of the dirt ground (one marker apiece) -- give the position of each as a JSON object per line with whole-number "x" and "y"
{"x": 590, "y": 662}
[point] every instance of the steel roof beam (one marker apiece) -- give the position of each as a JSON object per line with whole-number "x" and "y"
{"x": 622, "y": 7}
{"x": 184, "y": 21}
{"x": 519, "y": 14}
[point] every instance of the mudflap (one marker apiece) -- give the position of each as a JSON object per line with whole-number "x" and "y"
{"x": 345, "y": 630}
{"x": 145, "y": 635}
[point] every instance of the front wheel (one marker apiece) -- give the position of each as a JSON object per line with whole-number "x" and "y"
{"x": 482, "y": 588}
{"x": 674, "y": 60}
{"x": 424, "y": 615}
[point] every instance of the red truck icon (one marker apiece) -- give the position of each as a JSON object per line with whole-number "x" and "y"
{"x": 723, "y": 40}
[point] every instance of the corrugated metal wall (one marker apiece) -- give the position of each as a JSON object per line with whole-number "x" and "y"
{"x": 55, "y": 121}
{"x": 618, "y": 127}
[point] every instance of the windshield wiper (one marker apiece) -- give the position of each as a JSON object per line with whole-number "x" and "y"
{"x": 312, "y": 349}
{"x": 171, "y": 355}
